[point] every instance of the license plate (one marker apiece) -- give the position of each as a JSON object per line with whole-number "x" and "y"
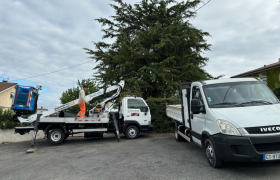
{"x": 267, "y": 157}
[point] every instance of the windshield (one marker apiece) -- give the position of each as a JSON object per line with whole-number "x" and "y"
{"x": 238, "y": 94}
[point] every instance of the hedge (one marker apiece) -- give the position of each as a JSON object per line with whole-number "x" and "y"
{"x": 6, "y": 119}
{"x": 158, "y": 111}
{"x": 276, "y": 91}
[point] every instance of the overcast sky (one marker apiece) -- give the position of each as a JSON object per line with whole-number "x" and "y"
{"x": 38, "y": 37}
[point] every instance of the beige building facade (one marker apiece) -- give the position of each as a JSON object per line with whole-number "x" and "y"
{"x": 7, "y": 91}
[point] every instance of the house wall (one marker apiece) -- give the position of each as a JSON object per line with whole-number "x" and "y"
{"x": 273, "y": 77}
{"x": 5, "y": 98}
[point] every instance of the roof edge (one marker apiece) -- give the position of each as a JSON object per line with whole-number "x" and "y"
{"x": 256, "y": 71}
{"x": 8, "y": 89}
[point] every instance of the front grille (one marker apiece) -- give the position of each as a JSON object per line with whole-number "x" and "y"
{"x": 267, "y": 147}
{"x": 263, "y": 129}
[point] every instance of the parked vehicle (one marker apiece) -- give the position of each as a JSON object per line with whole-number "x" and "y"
{"x": 232, "y": 119}
{"x": 132, "y": 116}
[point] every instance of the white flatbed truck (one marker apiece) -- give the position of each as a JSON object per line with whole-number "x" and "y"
{"x": 232, "y": 119}
{"x": 133, "y": 116}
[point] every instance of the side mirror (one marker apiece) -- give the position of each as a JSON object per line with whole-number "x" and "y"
{"x": 196, "y": 108}
{"x": 146, "y": 109}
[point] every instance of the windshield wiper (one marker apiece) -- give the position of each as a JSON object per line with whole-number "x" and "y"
{"x": 261, "y": 101}
{"x": 227, "y": 103}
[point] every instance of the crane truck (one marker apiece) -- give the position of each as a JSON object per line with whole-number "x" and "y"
{"x": 232, "y": 119}
{"x": 133, "y": 115}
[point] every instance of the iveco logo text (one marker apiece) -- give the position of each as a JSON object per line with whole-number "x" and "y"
{"x": 270, "y": 129}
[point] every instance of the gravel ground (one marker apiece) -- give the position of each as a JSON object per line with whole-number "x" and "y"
{"x": 151, "y": 156}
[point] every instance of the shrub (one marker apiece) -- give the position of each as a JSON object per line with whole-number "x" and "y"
{"x": 158, "y": 110}
{"x": 6, "y": 119}
{"x": 276, "y": 91}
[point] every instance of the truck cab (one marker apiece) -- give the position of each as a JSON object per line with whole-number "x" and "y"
{"x": 233, "y": 119}
{"x": 135, "y": 115}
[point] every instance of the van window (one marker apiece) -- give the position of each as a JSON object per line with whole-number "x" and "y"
{"x": 136, "y": 104}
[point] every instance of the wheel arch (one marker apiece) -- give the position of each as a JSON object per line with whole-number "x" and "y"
{"x": 131, "y": 123}
{"x": 56, "y": 126}
{"x": 205, "y": 135}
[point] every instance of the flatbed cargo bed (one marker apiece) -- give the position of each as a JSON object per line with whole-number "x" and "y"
{"x": 174, "y": 112}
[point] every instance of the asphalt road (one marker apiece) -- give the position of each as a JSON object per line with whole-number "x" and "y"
{"x": 148, "y": 157}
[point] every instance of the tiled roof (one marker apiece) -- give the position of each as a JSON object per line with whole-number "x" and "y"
{"x": 258, "y": 69}
{"x": 6, "y": 85}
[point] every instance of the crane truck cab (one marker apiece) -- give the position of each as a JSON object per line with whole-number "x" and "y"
{"x": 136, "y": 116}
{"x": 232, "y": 119}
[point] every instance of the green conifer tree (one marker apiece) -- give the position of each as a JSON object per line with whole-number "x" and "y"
{"x": 154, "y": 47}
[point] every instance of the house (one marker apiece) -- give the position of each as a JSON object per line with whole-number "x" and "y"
{"x": 270, "y": 74}
{"x": 40, "y": 111}
{"x": 7, "y": 91}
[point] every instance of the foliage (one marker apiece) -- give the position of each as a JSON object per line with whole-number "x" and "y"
{"x": 272, "y": 75}
{"x": 6, "y": 121}
{"x": 154, "y": 47}
{"x": 276, "y": 91}
{"x": 73, "y": 94}
{"x": 158, "y": 110}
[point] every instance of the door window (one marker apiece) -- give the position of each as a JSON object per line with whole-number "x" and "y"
{"x": 196, "y": 94}
{"x": 136, "y": 104}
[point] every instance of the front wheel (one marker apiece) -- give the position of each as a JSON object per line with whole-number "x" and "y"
{"x": 56, "y": 136}
{"x": 211, "y": 156}
{"x": 132, "y": 132}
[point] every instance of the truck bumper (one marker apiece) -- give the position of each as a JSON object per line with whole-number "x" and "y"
{"x": 147, "y": 128}
{"x": 245, "y": 149}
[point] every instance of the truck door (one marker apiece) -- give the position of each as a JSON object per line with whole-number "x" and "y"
{"x": 198, "y": 120}
{"x": 185, "y": 104}
{"x": 136, "y": 111}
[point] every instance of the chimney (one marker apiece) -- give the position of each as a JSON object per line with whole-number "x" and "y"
{"x": 279, "y": 60}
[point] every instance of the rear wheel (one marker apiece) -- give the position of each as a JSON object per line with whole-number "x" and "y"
{"x": 211, "y": 156}
{"x": 56, "y": 136}
{"x": 178, "y": 138}
{"x": 132, "y": 132}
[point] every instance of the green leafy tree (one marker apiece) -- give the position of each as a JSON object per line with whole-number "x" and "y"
{"x": 154, "y": 47}
{"x": 73, "y": 94}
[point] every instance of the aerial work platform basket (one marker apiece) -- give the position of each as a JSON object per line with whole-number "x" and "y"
{"x": 25, "y": 100}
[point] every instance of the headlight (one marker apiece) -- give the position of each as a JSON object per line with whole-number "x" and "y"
{"x": 227, "y": 128}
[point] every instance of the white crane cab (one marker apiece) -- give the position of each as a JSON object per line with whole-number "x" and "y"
{"x": 136, "y": 116}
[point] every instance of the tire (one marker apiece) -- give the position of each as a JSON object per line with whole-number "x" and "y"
{"x": 131, "y": 132}
{"x": 56, "y": 136}
{"x": 178, "y": 138}
{"x": 211, "y": 156}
